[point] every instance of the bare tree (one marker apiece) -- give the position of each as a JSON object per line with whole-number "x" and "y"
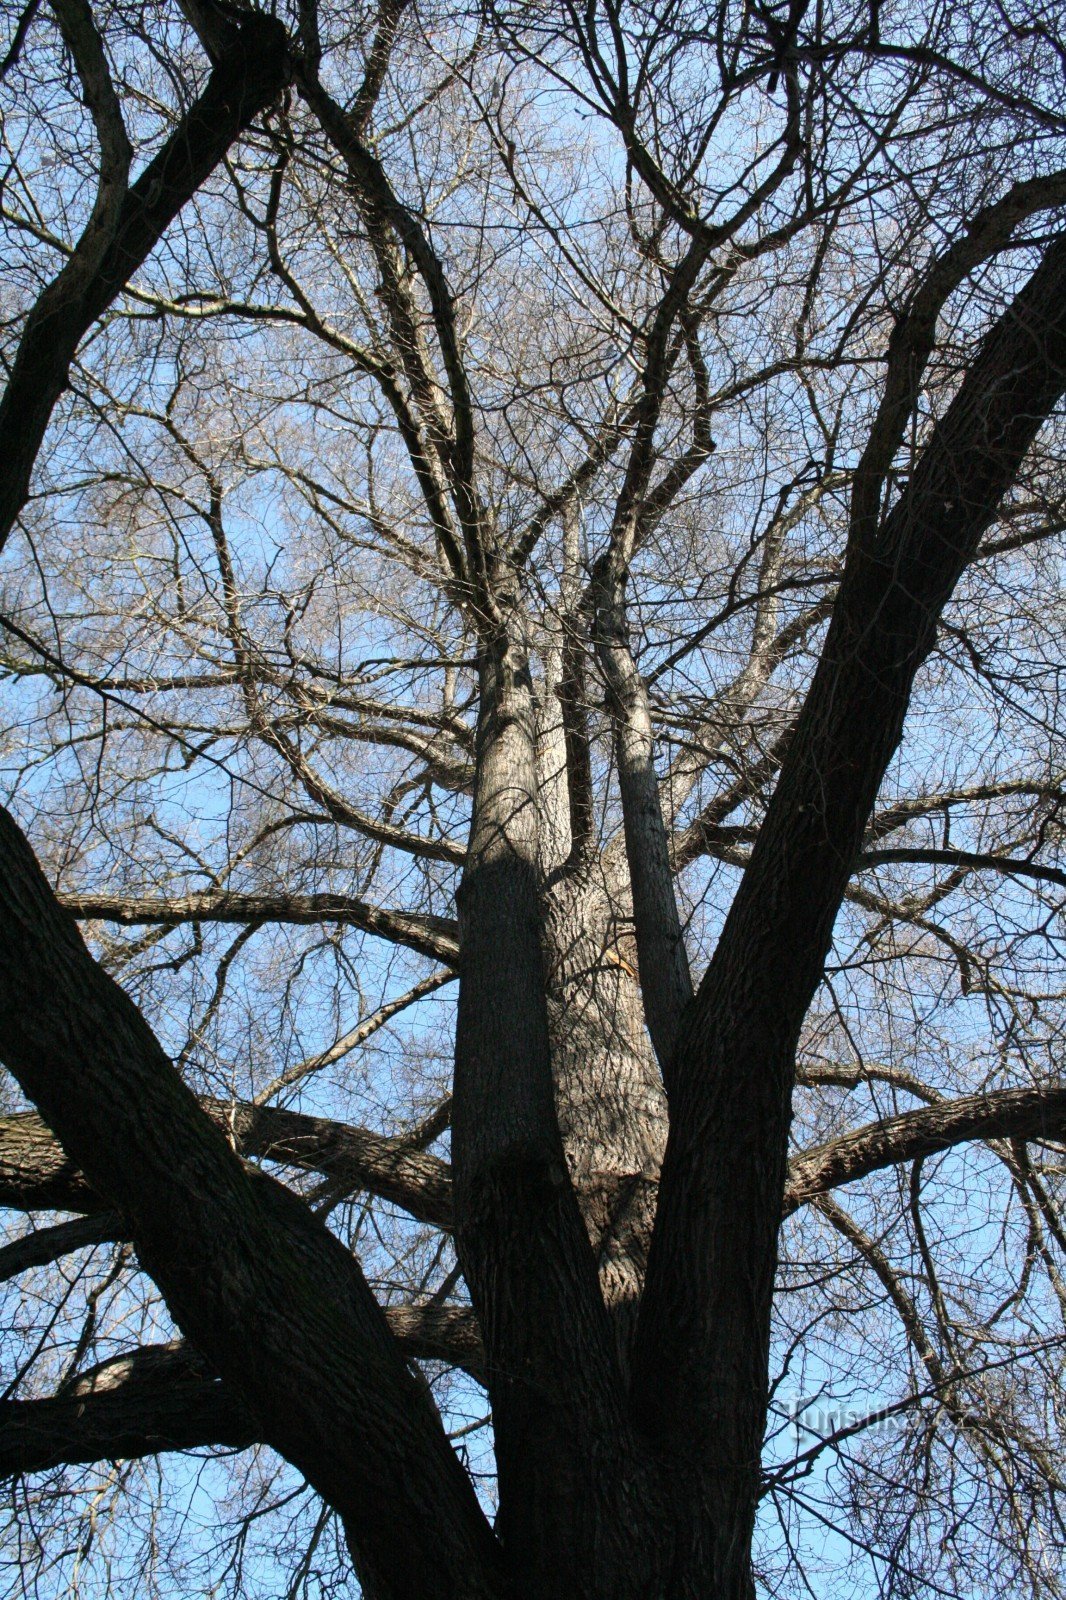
{"x": 532, "y": 631}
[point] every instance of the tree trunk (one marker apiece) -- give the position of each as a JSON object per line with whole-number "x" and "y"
{"x": 609, "y": 1095}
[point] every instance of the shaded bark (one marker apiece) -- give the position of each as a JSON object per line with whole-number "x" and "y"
{"x": 36, "y": 1174}
{"x": 161, "y": 1398}
{"x": 573, "y": 1491}
{"x": 232, "y": 1251}
{"x": 702, "y": 1349}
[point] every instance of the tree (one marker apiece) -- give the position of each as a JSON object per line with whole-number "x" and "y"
{"x": 565, "y": 497}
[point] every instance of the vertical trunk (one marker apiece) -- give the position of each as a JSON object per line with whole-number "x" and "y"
{"x": 661, "y": 954}
{"x": 608, "y": 1092}
{"x": 573, "y": 1489}
{"x": 609, "y": 1095}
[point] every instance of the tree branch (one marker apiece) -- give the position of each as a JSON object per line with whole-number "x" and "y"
{"x": 163, "y": 1397}
{"x": 233, "y": 1251}
{"x": 1001, "y": 1114}
{"x": 911, "y": 343}
{"x": 45, "y": 1245}
{"x": 702, "y": 1347}
{"x": 37, "y": 1175}
{"x": 158, "y": 1399}
{"x": 246, "y": 78}
{"x": 437, "y": 937}
{"x": 977, "y": 860}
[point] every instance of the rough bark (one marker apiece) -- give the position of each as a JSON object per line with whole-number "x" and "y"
{"x": 661, "y": 956}
{"x": 608, "y": 1092}
{"x": 1001, "y": 1114}
{"x": 702, "y": 1348}
{"x": 232, "y": 1252}
{"x": 36, "y": 1174}
{"x": 573, "y": 1490}
{"x": 436, "y": 937}
{"x": 164, "y": 1397}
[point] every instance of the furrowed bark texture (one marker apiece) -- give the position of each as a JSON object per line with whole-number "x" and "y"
{"x": 270, "y": 1298}
{"x": 573, "y": 1494}
{"x": 609, "y": 1096}
{"x": 161, "y": 1398}
{"x": 36, "y": 1174}
{"x": 702, "y": 1347}
{"x": 164, "y": 1397}
{"x": 608, "y": 1093}
{"x": 1037, "y": 1114}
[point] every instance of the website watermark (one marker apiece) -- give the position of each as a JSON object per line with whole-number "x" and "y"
{"x": 822, "y": 1420}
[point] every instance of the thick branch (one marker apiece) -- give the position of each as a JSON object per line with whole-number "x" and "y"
{"x": 391, "y": 1168}
{"x": 245, "y": 79}
{"x": 37, "y": 1175}
{"x": 396, "y": 1170}
{"x": 259, "y": 1285}
{"x": 1002, "y": 1114}
{"x": 666, "y": 985}
{"x": 45, "y": 1245}
{"x": 163, "y": 1397}
{"x": 702, "y": 1351}
{"x": 430, "y": 936}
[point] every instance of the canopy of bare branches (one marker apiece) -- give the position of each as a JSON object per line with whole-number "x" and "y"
{"x": 532, "y": 966}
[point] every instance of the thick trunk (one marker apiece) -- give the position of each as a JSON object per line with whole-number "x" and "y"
{"x": 574, "y": 1487}
{"x": 609, "y": 1095}
{"x": 272, "y": 1300}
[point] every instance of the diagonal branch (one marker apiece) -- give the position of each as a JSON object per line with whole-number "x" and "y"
{"x": 36, "y": 1174}
{"x": 158, "y": 1399}
{"x": 1001, "y": 1114}
{"x": 245, "y": 79}
{"x": 702, "y": 1348}
{"x": 269, "y": 1297}
{"x": 163, "y": 1397}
